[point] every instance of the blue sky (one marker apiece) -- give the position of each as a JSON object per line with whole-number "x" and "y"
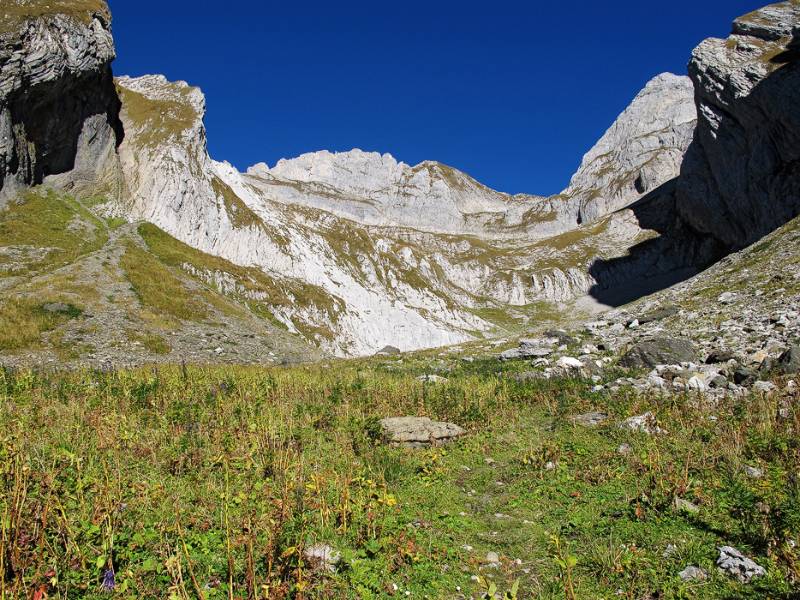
{"x": 513, "y": 93}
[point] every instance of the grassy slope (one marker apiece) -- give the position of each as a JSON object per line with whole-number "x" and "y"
{"x": 46, "y": 220}
{"x": 14, "y": 13}
{"x": 53, "y": 249}
{"x": 226, "y": 475}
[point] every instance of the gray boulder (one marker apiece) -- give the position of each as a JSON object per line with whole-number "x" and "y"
{"x": 789, "y": 361}
{"x": 388, "y": 351}
{"x": 658, "y": 314}
{"x": 590, "y": 419}
{"x": 736, "y": 564}
{"x": 659, "y": 351}
{"x": 692, "y": 573}
{"x": 322, "y": 557}
{"x": 419, "y": 432}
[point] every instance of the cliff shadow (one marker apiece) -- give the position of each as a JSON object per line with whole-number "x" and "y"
{"x": 676, "y": 254}
{"x": 736, "y": 185}
{"x": 48, "y": 119}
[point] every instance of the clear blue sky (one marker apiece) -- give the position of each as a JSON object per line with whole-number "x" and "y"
{"x": 513, "y": 93}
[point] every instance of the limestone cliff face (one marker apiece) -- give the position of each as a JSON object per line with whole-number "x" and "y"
{"x": 58, "y": 108}
{"x": 741, "y": 175}
{"x": 373, "y": 251}
{"x": 351, "y": 289}
{"x": 362, "y": 250}
{"x": 643, "y": 149}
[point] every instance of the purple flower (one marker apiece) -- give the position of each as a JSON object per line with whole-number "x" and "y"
{"x": 108, "y": 584}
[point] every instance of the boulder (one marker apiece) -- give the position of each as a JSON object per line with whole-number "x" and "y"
{"x": 645, "y": 423}
{"x": 736, "y": 564}
{"x": 719, "y": 356}
{"x": 692, "y": 573}
{"x": 744, "y": 376}
{"x": 659, "y": 351}
{"x": 789, "y": 361}
{"x": 388, "y": 351}
{"x": 527, "y": 349}
{"x": 419, "y": 432}
{"x": 562, "y": 336}
{"x": 568, "y": 363}
{"x": 322, "y": 558}
{"x": 432, "y": 379}
{"x": 658, "y": 314}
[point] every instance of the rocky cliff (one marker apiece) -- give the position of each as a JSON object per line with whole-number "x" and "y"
{"x": 355, "y": 250}
{"x": 384, "y": 252}
{"x": 58, "y": 108}
{"x": 741, "y": 176}
{"x": 643, "y": 149}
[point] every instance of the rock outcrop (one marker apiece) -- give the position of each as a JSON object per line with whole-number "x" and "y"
{"x": 642, "y": 150}
{"x": 741, "y": 176}
{"x": 58, "y": 108}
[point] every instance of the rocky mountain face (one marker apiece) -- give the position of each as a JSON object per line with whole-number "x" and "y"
{"x": 741, "y": 176}
{"x": 642, "y": 150}
{"x": 394, "y": 254}
{"x": 353, "y": 251}
{"x": 58, "y": 108}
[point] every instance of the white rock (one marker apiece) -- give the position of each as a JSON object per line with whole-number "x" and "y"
{"x": 569, "y": 363}
{"x": 645, "y": 423}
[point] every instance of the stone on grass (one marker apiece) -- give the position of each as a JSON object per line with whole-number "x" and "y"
{"x": 563, "y": 338}
{"x": 727, "y": 298}
{"x": 753, "y": 472}
{"x": 419, "y": 432}
{"x": 736, "y": 564}
{"x": 764, "y": 387}
{"x": 744, "y": 376}
{"x": 492, "y": 560}
{"x": 526, "y": 349}
{"x": 659, "y": 351}
{"x": 590, "y": 419}
{"x": 569, "y": 363}
{"x": 658, "y": 314}
{"x": 719, "y": 356}
{"x": 388, "y": 351}
{"x": 59, "y": 308}
{"x": 696, "y": 383}
{"x": 692, "y": 573}
{"x": 432, "y": 379}
{"x": 682, "y": 505}
{"x": 645, "y": 423}
{"x": 322, "y": 557}
{"x": 789, "y": 361}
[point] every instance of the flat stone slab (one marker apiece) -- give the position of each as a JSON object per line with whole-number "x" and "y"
{"x": 590, "y": 419}
{"x": 419, "y": 432}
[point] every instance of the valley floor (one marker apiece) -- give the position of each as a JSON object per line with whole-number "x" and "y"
{"x": 226, "y": 482}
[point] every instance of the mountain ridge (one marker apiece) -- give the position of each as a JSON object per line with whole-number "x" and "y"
{"x": 363, "y": 251}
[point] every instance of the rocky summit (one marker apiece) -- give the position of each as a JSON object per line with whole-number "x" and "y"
{"x": 342, "y": 375}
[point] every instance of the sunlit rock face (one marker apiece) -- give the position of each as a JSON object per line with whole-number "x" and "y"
{"x": 58, "y": 107}
{"x": 643, "y": 149}
{"x": 410, "y": 256}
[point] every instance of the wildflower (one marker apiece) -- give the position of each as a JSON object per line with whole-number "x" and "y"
{"x": 108, "y": 584}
